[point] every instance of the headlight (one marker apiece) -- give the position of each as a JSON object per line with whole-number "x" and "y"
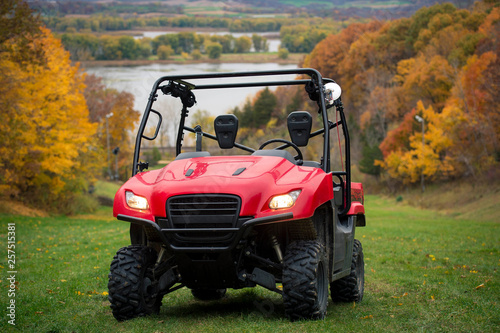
{"x": 135, "y": 201}
{"x": 284, "y": 200}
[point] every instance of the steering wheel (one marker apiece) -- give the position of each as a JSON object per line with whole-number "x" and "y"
{"x": 299, "y": 156}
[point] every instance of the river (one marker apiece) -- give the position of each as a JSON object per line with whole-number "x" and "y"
{"x": 139, "y": 80}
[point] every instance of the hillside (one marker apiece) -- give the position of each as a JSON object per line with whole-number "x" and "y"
{"x": 421, "y": 89}
{"x": 381, "y": 9}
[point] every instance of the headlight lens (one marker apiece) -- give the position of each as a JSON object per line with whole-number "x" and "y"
{"x": 284, "y": 200}
{"x": 135, "y": 201}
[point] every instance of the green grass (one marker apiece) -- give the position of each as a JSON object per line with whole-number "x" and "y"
{"x": 470, "y": 200}
{"x": 106, "y": 189}
{"x": 424, "y": 273}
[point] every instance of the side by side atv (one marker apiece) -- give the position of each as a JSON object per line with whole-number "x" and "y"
{"x": 212, "y": 220}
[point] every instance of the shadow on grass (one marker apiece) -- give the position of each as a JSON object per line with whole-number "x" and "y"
{"x": 257, "y": 303}
{"x": 246, "y": 302}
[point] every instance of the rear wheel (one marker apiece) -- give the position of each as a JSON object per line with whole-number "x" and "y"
{"x": 132, "y": 291}
{"x": 305, "y": 281}
{"x": 351, "y": 287}
{"x": 208, "y": 294}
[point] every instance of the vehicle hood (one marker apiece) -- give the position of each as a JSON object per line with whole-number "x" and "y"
{"x": 255, "y": 179}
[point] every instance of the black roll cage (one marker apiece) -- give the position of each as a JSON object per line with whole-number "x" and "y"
{"x": 178, "y": 86}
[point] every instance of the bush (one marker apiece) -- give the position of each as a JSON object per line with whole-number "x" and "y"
{"x": 214, "y": 50}
{"x": 283, "y": 53}
{"x": 196, "y": 54}
{"x": 164, "y": 52}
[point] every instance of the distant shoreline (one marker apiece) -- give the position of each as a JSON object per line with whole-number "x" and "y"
{"x": 293, "y": 58}
{"x": 199, "y": 30}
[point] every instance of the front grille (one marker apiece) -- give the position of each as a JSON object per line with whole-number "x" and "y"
{"x": 203, "y": 211}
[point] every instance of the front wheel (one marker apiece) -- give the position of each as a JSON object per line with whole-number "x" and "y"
{"x": 305, "y": 281}
{"x": 132, "y": 291}
{"x": 351, "y": 288}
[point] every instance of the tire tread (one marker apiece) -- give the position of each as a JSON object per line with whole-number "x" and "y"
{"x": 300, "y": 281}
{"x": 125, "y": 281}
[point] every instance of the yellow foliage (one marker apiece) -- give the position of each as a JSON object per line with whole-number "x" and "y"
{"x": 272, "y": 123}
{"x": 404, "y": 68}
{"x": 45, "y": 133}
{"x": 427, "y": 159}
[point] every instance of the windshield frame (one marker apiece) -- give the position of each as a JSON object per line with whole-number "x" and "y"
{"x": 300, "y": 76}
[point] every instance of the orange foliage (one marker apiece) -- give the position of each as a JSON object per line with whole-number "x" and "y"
{"x": 397, "y": 139}
{"x": 328, "y": 55}
{"x": 429, "y": 80}
{"x": 444, "y": 58}
{"x": 476, "y": 102}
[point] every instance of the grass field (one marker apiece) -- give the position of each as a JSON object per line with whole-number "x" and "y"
{"x": 424, "y": 273}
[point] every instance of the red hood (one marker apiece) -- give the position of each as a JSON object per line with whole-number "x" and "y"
{"x": 255, "y": 179}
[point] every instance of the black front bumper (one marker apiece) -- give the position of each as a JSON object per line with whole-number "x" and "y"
{"x": 238, "y": 234}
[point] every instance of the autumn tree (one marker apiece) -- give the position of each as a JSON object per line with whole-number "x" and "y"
{"x": 419, "y": 155}
{"x": 259, "y": 43}
{"x": 214, "y": 50}
{"x": 47, "y": 149}
{"x": 457, "y": 73}
{"x": 283, "y": 53}
{"x": 19, "y": 26}
{"x": 129, "y": 48}
{"x": 242, "y": 44}
{"x": 476, "y": 103}
{"x": 442, "y": 59}
{"x": 113, "y": 113}
{"x": 429, "y": 80}
{"x": 328, "y": 55}
{"x": 226, "y": 41}
{"x": 164, "y": 52}
{"x": 303, "y": 37}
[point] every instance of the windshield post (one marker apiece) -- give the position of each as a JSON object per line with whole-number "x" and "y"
{"x": 142, "y": 126}
{"x": 347, "y": 145}
{"x": 326, "y": 126}
{"x": 180, "y": 133}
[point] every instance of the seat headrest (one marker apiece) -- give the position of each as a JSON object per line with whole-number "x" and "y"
{"x": 299, "y": 127}
{"x": 226, "y": 128}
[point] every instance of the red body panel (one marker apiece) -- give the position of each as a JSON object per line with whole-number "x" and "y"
{"x": 356, "y": 208}
{"x": 357, "y": 193}
{"x": 263, "y": 178}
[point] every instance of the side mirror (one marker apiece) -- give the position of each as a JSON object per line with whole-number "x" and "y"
{"x": 154, "y": 124}
{"x": 332, "y": 92}
{"x": 226, "y": 128}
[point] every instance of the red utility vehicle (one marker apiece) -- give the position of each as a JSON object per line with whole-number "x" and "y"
{"x": 265, "y": 217}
